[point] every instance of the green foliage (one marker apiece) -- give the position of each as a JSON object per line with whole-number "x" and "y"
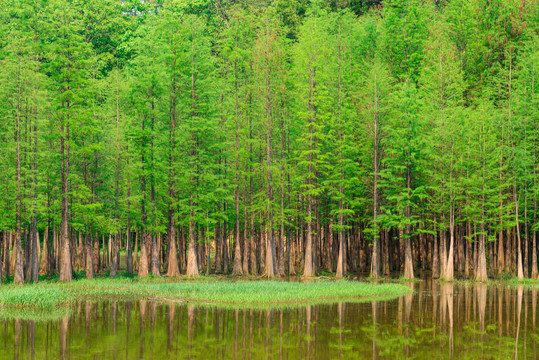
{"x": 176, "y": 108}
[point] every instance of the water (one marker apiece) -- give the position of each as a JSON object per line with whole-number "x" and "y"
{"x": 437, "y": 321}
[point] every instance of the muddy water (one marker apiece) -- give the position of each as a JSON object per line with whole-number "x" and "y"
{"x": 437, "y": 321}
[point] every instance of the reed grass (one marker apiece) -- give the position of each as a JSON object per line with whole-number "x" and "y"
{"x": 212, "y": 290}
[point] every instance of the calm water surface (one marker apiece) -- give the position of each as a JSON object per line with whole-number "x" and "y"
{"x": 437, "y": 321}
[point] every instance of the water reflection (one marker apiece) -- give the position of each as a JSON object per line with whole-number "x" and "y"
{"x": 438, "y": 321}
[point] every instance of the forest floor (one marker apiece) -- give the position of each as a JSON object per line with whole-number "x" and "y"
{"x": 212, "y": 290}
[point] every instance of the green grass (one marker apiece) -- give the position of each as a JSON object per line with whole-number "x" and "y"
{"x": 204, "y": 290}
{"x": 38, "y": 295}
{"x": 523, "y": 281}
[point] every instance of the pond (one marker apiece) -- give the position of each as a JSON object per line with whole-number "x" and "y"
{"x": 436, "y": 321}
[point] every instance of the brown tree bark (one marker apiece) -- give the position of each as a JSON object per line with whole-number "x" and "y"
{"x": 65, "y": 245}
{"x": 17, "y": 251}
{"x": 135, "y": 255}
{"x": 246, "y": 239}
{"x": 481, "y": 268}
{"x": 269, "y": 268}
{"x": 96, "y": 254}
{"x": 375, "y": 257}
{"x": 143, "y": 261}
{"x": 341, "y": 260}
{"x": 7, "y": 248}
{"x": 501, "y": 256}
{"x": 192, "y": 260}
{"x": 237, "y": 268}
{"x": 308, "y": 266}
{"x": 449, "y": 271}
{"x": 115, "y": 256}
{"x": 44, "y": 267}
{"x": 88, "y": 250}
{"x": 408, "y": 264}
{"x": 172, "y": 265}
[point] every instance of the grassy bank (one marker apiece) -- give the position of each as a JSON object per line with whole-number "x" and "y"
{"x": 214, "y": 291}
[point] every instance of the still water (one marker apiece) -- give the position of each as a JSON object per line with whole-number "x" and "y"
{"x": 438, "y": 321}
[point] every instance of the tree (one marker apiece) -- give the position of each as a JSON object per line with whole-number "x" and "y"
{"x": 441, "y": 93}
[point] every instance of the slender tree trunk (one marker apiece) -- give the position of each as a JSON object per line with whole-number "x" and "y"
{"x": 143, "y": 261}
{"x": 44, "y": 265}
{"x": 408, "y": 264}
{"x": 270, "y": 244}
{"x": 135, "y": 255}
{"x": 17, "y": 251}
{"x": 375, "y": 259}
{"x": 237, "y": 268}
{"x": 481, "y": 269}
{"x": 192, "y": 257}
{"x": 172, "y": 265}
{"x": 192, "y": 263}
{"x": 435, "y": 257}
{"x": 172, "y": 261}
{"x": 224, "y": 245}
{"x": 534, "y": 272}
{"x": 245, "y": 240}
{"x": 520, "y": 270}
{"x": 469, "y": 258}
{"x": 129, "y": 243}
{"x": 88, "y": 248}
{"x": 449, "y": 271}
{"x": 114, "y": 267}
{"x": 341, "y": 261}
{"x": 65, "y": 246}
{"x": 34, "y": 257}
{"x": 501, "y": 256}
{"x": 308, "y": 266}
{"x": 7, "y": 248}
{"x": 280, "y": 250}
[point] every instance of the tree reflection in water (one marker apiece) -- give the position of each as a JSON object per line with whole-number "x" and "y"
{"x": 438, "y": 320}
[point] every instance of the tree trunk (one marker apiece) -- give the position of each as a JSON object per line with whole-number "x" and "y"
{"x": 408, "y": 263}
{"x": 481, "y": 258}
{"x": 135, "y": 256}
{"x": 17, "y": 251}
{"x": 435, "y": 254}
{"x": 44, "y": 260}
{"x": 65, "y": 246}
{"x": 218, "y": 247}
{"x": 501, "y": 256}
{"x": 7, "y": 248}
{"x": 114, "y": 263}
{"x": 450, "y": 258}
{"x": 468, "y": 258}
{"x": 172, "y": 265}
{"x": 534, "y": 272}
{"x": 245, "y": 241}
{"x": 88, "y": 250}
{"x": 237, "y": 268}
{"x": 154, "y": 261}
{"x": 192, "y": 264}
{"x": 143, "y": 261}
{"x": 341, "y": 260}
{"x": 269, "y": 268}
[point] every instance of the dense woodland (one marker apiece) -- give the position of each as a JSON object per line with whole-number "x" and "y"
{"x": 269, "y": 137}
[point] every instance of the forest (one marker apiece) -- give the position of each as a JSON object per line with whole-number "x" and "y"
{"x": 269, "y": 137}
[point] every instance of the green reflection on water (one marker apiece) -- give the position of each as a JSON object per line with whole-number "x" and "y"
{"x": 436, "y": 321}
